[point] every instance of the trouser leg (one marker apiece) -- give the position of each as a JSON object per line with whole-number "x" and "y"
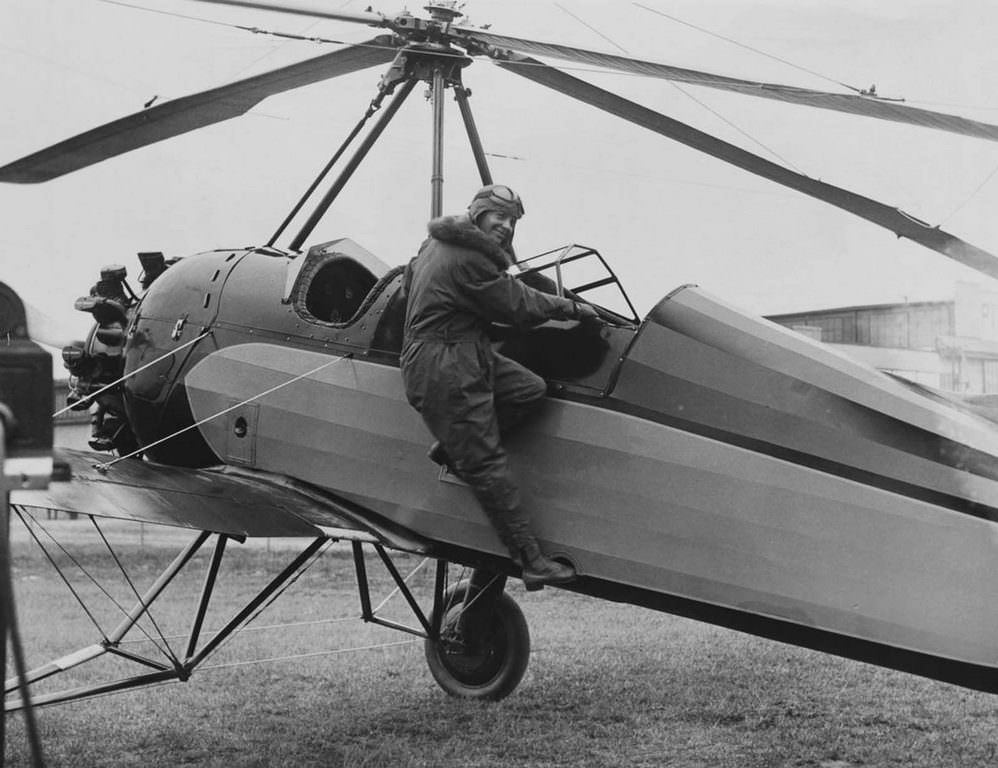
{"x": 483, "y": 465}
{"x": 468, "y": 429}
{"x": 517, "y": 392}
{"x": 500, "y": 501}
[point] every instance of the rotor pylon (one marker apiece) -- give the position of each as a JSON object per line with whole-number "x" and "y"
{"x": 436, "y": 64}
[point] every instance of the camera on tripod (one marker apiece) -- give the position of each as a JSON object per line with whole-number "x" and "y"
{"x": 26, "y": 398}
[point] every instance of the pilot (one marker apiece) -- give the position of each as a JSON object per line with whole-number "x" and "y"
{"x": 467, "y": 393}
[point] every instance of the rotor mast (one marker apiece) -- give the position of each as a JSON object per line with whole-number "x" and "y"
{"x": 437, "y": 177}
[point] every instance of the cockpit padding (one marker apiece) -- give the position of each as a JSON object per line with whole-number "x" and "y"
{"x": 391, "y": 276}
{"x": 389, "y": 333}
{"x": 338, "y": 292}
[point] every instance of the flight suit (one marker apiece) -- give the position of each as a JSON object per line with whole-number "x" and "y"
{"x": 466, "y": 392}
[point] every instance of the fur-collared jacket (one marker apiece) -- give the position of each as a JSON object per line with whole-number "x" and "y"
{"x": 458, "y": 284}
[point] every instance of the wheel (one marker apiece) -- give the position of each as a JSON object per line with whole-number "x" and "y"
{"x": 482, "y": 652}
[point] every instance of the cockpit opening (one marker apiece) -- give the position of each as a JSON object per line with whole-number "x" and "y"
{"x": 337, "y": 289}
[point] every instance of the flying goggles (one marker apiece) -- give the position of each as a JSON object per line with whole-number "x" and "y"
{"x": 496, "y": 196}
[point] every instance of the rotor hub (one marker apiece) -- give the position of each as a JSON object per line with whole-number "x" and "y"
{"x": 444, "y": 11}
{"x": 421, "y": 60}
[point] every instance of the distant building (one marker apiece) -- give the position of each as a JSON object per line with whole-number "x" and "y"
{"x": 951, "y": 345}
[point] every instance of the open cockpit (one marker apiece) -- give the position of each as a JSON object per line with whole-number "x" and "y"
{"x": 340, "y": 288}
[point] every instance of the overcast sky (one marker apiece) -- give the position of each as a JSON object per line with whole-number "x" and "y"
{"x": 661, "y": 214}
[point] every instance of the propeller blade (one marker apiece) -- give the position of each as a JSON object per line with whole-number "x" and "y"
{"x": 865, "y": 106}
{"x": 172, "y": 118}
{"x": 889, "y": 217}
{"x": 46, "y": 329}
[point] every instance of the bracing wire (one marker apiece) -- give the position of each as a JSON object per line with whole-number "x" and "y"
{"x": 161, "y": 12}
{"x": 441, "y": 54}
{"x": 737, "y": 128}
{"x": 248, "y": 662}
{"x": 93, "y": 580}
{"x": 750, "y": 48}
{"x": 168, "y": 652}
{"x": 397, "y": 589}
{"x": 285, "y": 587}
{"x": 689, "y": 95}
{"x": 256, "y": 628}
{"x": 107, "y": 465}
{"x": 127, "y": 376}
{"x": 312, "y": 654}
{"x": 30, "y": 527}
{"x": 591, "y": 28}
{"x": 970, "y": 197}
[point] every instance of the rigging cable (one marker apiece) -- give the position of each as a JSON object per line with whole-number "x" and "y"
{"x": 280, "y": 591}
{"x": 690, "y": 96}
{"x": 167, "y": 653}
{"x": 145, "y": 606}
{"x": 405, "y": 580}
{"x": 127, "y": 376}
{"x": 103, "y": 467}
{"x": 970, "y": 197}
{"x": 257, "y": 628}
{"x": 166, "y": 13}
{"x": 313, "y": 654}
{"x": 866, "y": 92}
{"x": 25, "y": 517}
{"x": 862, "y": 91}
{"x": 440, "y": 54}
{"x": 590, "y": 27}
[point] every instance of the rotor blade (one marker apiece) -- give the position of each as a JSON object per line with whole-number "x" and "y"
{"x": 172, "y": 118}
{"x": 865, "y": 106}
{"x": 894, "y": 219}
{"x": 304, "y": 8}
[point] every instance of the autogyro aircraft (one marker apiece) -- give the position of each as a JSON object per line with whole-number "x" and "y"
{"x": 699, "y": 460}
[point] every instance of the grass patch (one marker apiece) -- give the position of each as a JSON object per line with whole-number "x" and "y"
{"x": 608, "y": 685}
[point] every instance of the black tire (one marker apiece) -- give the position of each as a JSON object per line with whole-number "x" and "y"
{"x": 490, "y": 664}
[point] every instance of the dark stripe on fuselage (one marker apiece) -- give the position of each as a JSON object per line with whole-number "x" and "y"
{"x": 866, "y": 477}
{"x": 677, "y": 374}
{"x": 729, "y": 419}
{"x": 967, "y": 674}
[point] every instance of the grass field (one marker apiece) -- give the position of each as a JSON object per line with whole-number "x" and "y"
{"x": 608, "y": 685}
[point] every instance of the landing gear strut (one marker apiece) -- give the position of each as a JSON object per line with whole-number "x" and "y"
{"x": 476, "y": 639}
{"x": 483, "y": 644}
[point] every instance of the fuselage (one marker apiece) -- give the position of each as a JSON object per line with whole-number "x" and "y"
{"x": 235, "y": 296}
{"x": 707, "y": 462}
{"x": 242, "y": 296}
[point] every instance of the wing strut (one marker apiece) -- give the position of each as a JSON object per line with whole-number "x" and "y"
{"x": 889, "y": 217}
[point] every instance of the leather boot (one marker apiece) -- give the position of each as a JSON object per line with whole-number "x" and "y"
{"x": 438, "y": 455}
{"x": 501, "y": 503}
{"x": 537, "y": 570}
